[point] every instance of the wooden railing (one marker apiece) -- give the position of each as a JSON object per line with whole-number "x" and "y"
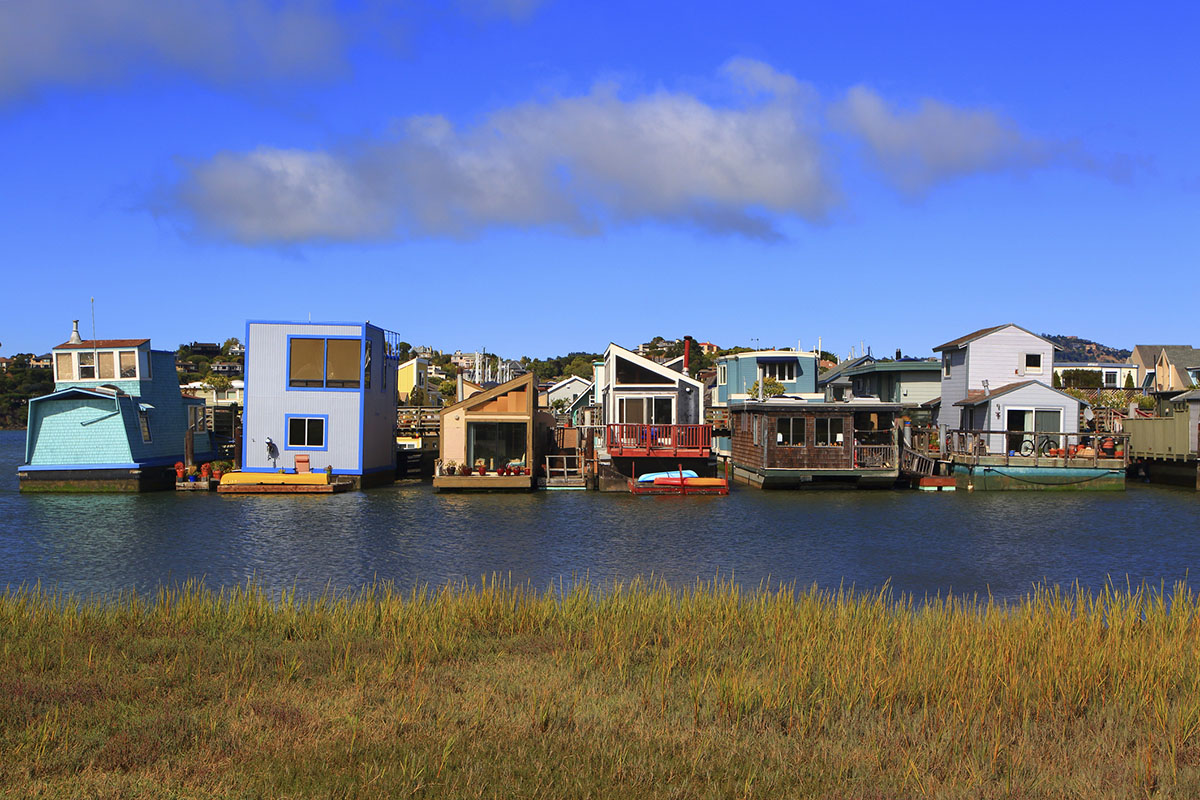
{"x": 656, "y": 440}
{"x": 1036, "y": 447}
{"x": 417, "y": 421}
{"x": 875, "y": 456}
{"x": 914, "y": 463}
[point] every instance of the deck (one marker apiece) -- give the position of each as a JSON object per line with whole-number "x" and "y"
{"x": 659, "y": 441}
{"x": 483, "y": 483}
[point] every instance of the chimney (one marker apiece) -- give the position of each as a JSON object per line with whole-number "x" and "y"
{"x": 897, "y": 353}
{"x": 687, "y": 354}
{"x": 75, "y": 338}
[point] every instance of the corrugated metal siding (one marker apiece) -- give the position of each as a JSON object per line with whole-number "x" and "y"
{"x": 268, "y": 401}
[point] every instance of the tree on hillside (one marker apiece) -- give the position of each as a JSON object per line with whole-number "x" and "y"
{"x": 218, "y": 383}
{"x": 448, "y": 389}
{"x": 827, "y": 356}
{"x": 229, "y": 343}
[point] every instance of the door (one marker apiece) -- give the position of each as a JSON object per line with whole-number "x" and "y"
{"x": 1048, "y": 421}
{"x": 1017, "y": 421}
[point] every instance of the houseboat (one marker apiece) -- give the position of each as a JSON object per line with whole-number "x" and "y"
{"x": 321, "y": 397}
{"x": 115, "y": 422}
{"x": 738, "y": 376}
{"x": 1002, "y": 426}
{"x": 653, "y": 420}
{"x": 494, "y": 439}
{"x": 789, "y": 442}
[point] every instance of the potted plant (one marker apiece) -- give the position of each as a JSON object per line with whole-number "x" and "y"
{"x": 481, "y": 466}
{"x": 449, "y": 467}
{"x": 179, "y": 471}
{"x": 218, "y": 469}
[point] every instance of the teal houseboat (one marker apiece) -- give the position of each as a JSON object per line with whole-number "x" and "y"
{"x": 115, "y": 422}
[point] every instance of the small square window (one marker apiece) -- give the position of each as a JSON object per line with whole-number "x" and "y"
{"x": 306, "y": 432}
{"x": 1033, "y": 362}
{"x": 87, "y": 366}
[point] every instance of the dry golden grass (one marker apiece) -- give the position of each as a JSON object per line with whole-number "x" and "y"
{"x": 502, "y": 691}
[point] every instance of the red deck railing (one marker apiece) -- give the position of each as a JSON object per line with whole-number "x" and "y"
{"x": 691, "y": 441}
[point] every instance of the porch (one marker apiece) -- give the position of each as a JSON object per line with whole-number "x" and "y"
{"x": 1037, "y": 448}
{"x": 658, "y": 441}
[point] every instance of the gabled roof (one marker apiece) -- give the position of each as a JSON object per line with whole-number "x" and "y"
{"x": 521, "y": 380}
{"x": 1180, "y": 355}
{"x": 107, "y": 394}
{"x": 568, "y": 379}
{"x": 649, "y": 364}
{"x": 979, "y": 334}
{"x": 95, "y": 344}
{"x": 977, "y": 397}
{"x": 842, "y": 366}
{"x": 1194, "y": 394}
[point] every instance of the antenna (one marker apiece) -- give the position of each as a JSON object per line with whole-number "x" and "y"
{"x": 95, "y": 355}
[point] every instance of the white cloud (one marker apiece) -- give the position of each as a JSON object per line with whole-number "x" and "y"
{"x": 91, "y": 42}
{"x": 935, "y": 142}
{"x": 580, "y": 163}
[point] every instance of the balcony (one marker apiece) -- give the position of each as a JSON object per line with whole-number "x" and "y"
{"x": 659, "y": 441}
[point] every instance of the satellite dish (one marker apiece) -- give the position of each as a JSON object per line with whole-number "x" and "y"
{"x": 1088, "y": 415}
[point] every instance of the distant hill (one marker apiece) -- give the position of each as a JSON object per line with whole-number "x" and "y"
{"x": 1084, "y": 350}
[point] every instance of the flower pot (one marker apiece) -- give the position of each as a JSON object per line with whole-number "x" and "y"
{"x": 481, "y": 470}
{"x": 218, "y": 474}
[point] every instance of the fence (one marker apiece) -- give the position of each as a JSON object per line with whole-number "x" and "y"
{"x": 1163, "y": 437}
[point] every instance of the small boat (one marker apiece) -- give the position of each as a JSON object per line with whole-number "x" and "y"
{"x": 651, "y": 477}
{"x": 674, "y": 484}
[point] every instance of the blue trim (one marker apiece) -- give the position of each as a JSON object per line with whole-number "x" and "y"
{"x": 245, "y": 392}
{"x": 160, "y": 461}
{"x": 287, "y": 366}
{"x": 287, "y": 418}
{"x": 362, "y": 400}
{"x": 292, "y": 471}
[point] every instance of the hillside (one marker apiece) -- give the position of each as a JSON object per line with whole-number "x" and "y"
{"x": 1083, "y": 350}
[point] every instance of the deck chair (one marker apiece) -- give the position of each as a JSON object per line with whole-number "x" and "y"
{"x": 302, "y": 464}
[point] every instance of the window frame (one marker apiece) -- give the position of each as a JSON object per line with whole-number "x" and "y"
{"x": 772, "y": 369}
{"x": 144, "y": 426}
{"x": 287, "y": 433}
{"x": 120, "y": 372}
{"x": 722, "y": 374}
{"x": 829, "y": 434}
{"x": 791, "y": 427}
{"x": 324, "y": 387}
{"x": 946, "y": 365}
{"x": 80, "y": 366}
{"x": 1028, "y": 370}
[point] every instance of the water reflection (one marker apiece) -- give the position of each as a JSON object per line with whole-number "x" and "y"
{"x": 920, "y": 543}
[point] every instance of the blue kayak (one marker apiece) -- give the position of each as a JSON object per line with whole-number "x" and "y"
{"x": 650, "y": 476}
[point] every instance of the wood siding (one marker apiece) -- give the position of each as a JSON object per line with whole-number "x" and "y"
{"x": 770, "y": 455}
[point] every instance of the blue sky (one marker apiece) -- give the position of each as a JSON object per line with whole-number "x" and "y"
{"x": 540, "y": 177}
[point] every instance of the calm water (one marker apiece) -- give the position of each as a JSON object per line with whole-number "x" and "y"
{"x": 922, "y": 543}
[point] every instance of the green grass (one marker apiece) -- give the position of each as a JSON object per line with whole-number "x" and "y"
{"x": 503, "y": 691}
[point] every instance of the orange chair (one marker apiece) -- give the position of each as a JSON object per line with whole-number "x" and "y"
{"x": 302, "y": 464}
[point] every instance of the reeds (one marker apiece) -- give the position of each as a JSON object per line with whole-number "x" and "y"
{"x": 639, "y": 689}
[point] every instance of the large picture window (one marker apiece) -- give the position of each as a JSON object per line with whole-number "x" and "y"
{"x": 789, "y": 431}
{"x": 829, "y": 432}
{"x": 306, "y": 365}
{"x": 306, "y": 433}
{"x": 324, "y": 363}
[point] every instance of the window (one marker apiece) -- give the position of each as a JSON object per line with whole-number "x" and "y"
{"x": 306, "y": 367}
{"x": 754, "y": 425}
{"x": 829, "y": 432}
{"x": 306, "y": 433}
{"x": 64, "y": 366}
{"x": 342, "y": 359}
{"x": 324, "y": 363}
{"x": 789, "y": 431}
{"x": 1110, "y": 378}
{"x": 646, "y": 410}
{"x": 144, "y": 424}
{"x": 1033, "y": 362}
{"x": 945, "y": 365}
{"x": 87, "y": 366}
{"x": 106, "y": 368}
{"x": 722, "y": 375}
{"x": 196, "y": 421}
{"x": 781, "y": 372}
{"x": 127, "y": 360}
{"x": 367, "y": 367}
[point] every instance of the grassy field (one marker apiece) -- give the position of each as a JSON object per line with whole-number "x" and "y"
{"x": 639, "y": 691}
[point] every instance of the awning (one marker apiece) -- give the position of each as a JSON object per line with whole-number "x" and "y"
{"x": 777, "y": 359}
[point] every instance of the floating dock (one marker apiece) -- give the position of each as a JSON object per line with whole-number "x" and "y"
{"x": 286, "y": 483}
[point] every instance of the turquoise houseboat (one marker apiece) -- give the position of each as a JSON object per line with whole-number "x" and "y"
{"x": 115, "y": 422}
{"x": 737, "y": 374}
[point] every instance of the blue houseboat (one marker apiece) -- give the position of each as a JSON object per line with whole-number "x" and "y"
{"x": 115, "y": 422}
{"x": 324, "y": 391}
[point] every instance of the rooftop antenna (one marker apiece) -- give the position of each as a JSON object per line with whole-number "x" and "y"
{"x": 95, "y": 355}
